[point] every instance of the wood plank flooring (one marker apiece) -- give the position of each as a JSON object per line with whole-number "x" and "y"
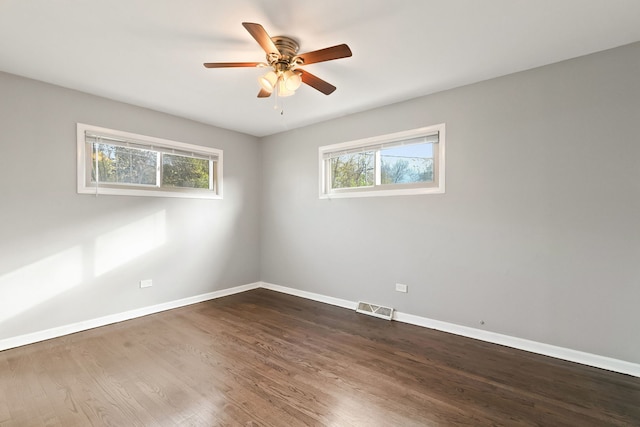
{"x": 262, "y": 358}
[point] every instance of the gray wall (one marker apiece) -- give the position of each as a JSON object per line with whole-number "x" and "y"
{"x": 66, "y": 258}
{"x": 537, "y": 234}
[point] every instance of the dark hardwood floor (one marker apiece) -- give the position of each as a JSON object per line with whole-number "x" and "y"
{"x": 265, "y": 358}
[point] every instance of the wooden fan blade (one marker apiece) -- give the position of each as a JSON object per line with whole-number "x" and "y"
{"x": 264, "y": 93}
{"x": 327, "y": 54}
{"x": 230, "y": 64}
{"x": 261, "y": 36}
{"x": 316, "y": 82}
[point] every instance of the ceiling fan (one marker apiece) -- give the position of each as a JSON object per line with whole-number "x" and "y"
{"x": 285, "y": 75}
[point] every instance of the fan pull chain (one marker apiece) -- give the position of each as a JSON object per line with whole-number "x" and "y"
{"x": 278, "y": 98}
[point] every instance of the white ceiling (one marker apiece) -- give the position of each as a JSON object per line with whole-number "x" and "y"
{"x": 150, "y": 52}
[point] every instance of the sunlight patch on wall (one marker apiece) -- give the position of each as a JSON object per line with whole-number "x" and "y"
{"x": 34, "y": 284}
{"x": 37, "y": 282}
{"x": 127, "y": 243}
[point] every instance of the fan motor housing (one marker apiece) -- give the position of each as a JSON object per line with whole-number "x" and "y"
{"x": 288, "y": 48}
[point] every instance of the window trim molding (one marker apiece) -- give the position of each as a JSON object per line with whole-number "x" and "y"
{"x": 384, "y": 190}
{"x": 121, "y": 190}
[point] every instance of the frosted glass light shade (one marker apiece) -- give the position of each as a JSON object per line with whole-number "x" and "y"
{"x": 268, "y": 81}
{"x": 282, "y": 88}
{"x": 292, "y": 80}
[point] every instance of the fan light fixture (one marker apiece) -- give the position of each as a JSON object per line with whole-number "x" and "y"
{"x": 286, "y": 83}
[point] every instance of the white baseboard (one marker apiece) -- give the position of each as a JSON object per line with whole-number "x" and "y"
{"x": 309, "y": 295}
{"x": 118, "y": 317}
{"x": 581, "y": 357}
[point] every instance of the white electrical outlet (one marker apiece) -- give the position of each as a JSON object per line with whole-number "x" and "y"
{"x": 401, "y": 288}
{"x": 146, "y": 283}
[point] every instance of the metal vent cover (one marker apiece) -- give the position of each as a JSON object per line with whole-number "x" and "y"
{"x": 375, "y": 310}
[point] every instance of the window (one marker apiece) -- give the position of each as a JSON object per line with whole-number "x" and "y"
{"x": 115, "y": 162}
{"x": 410, "y": 162}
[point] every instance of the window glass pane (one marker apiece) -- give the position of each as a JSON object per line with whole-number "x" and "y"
{"x": 407, "y": 164}
{"x": 187, "y": 172}
{"x": 113, "y": 162}
{"x": 123, "y": 165}
{"x": 353, "y": 170}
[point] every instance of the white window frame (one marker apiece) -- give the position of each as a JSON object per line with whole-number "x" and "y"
{"x": 374, "y": 144}
{"x": 84, "y": 165}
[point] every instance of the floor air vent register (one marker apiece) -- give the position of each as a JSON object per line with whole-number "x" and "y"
{"x": 375, "y": 310}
